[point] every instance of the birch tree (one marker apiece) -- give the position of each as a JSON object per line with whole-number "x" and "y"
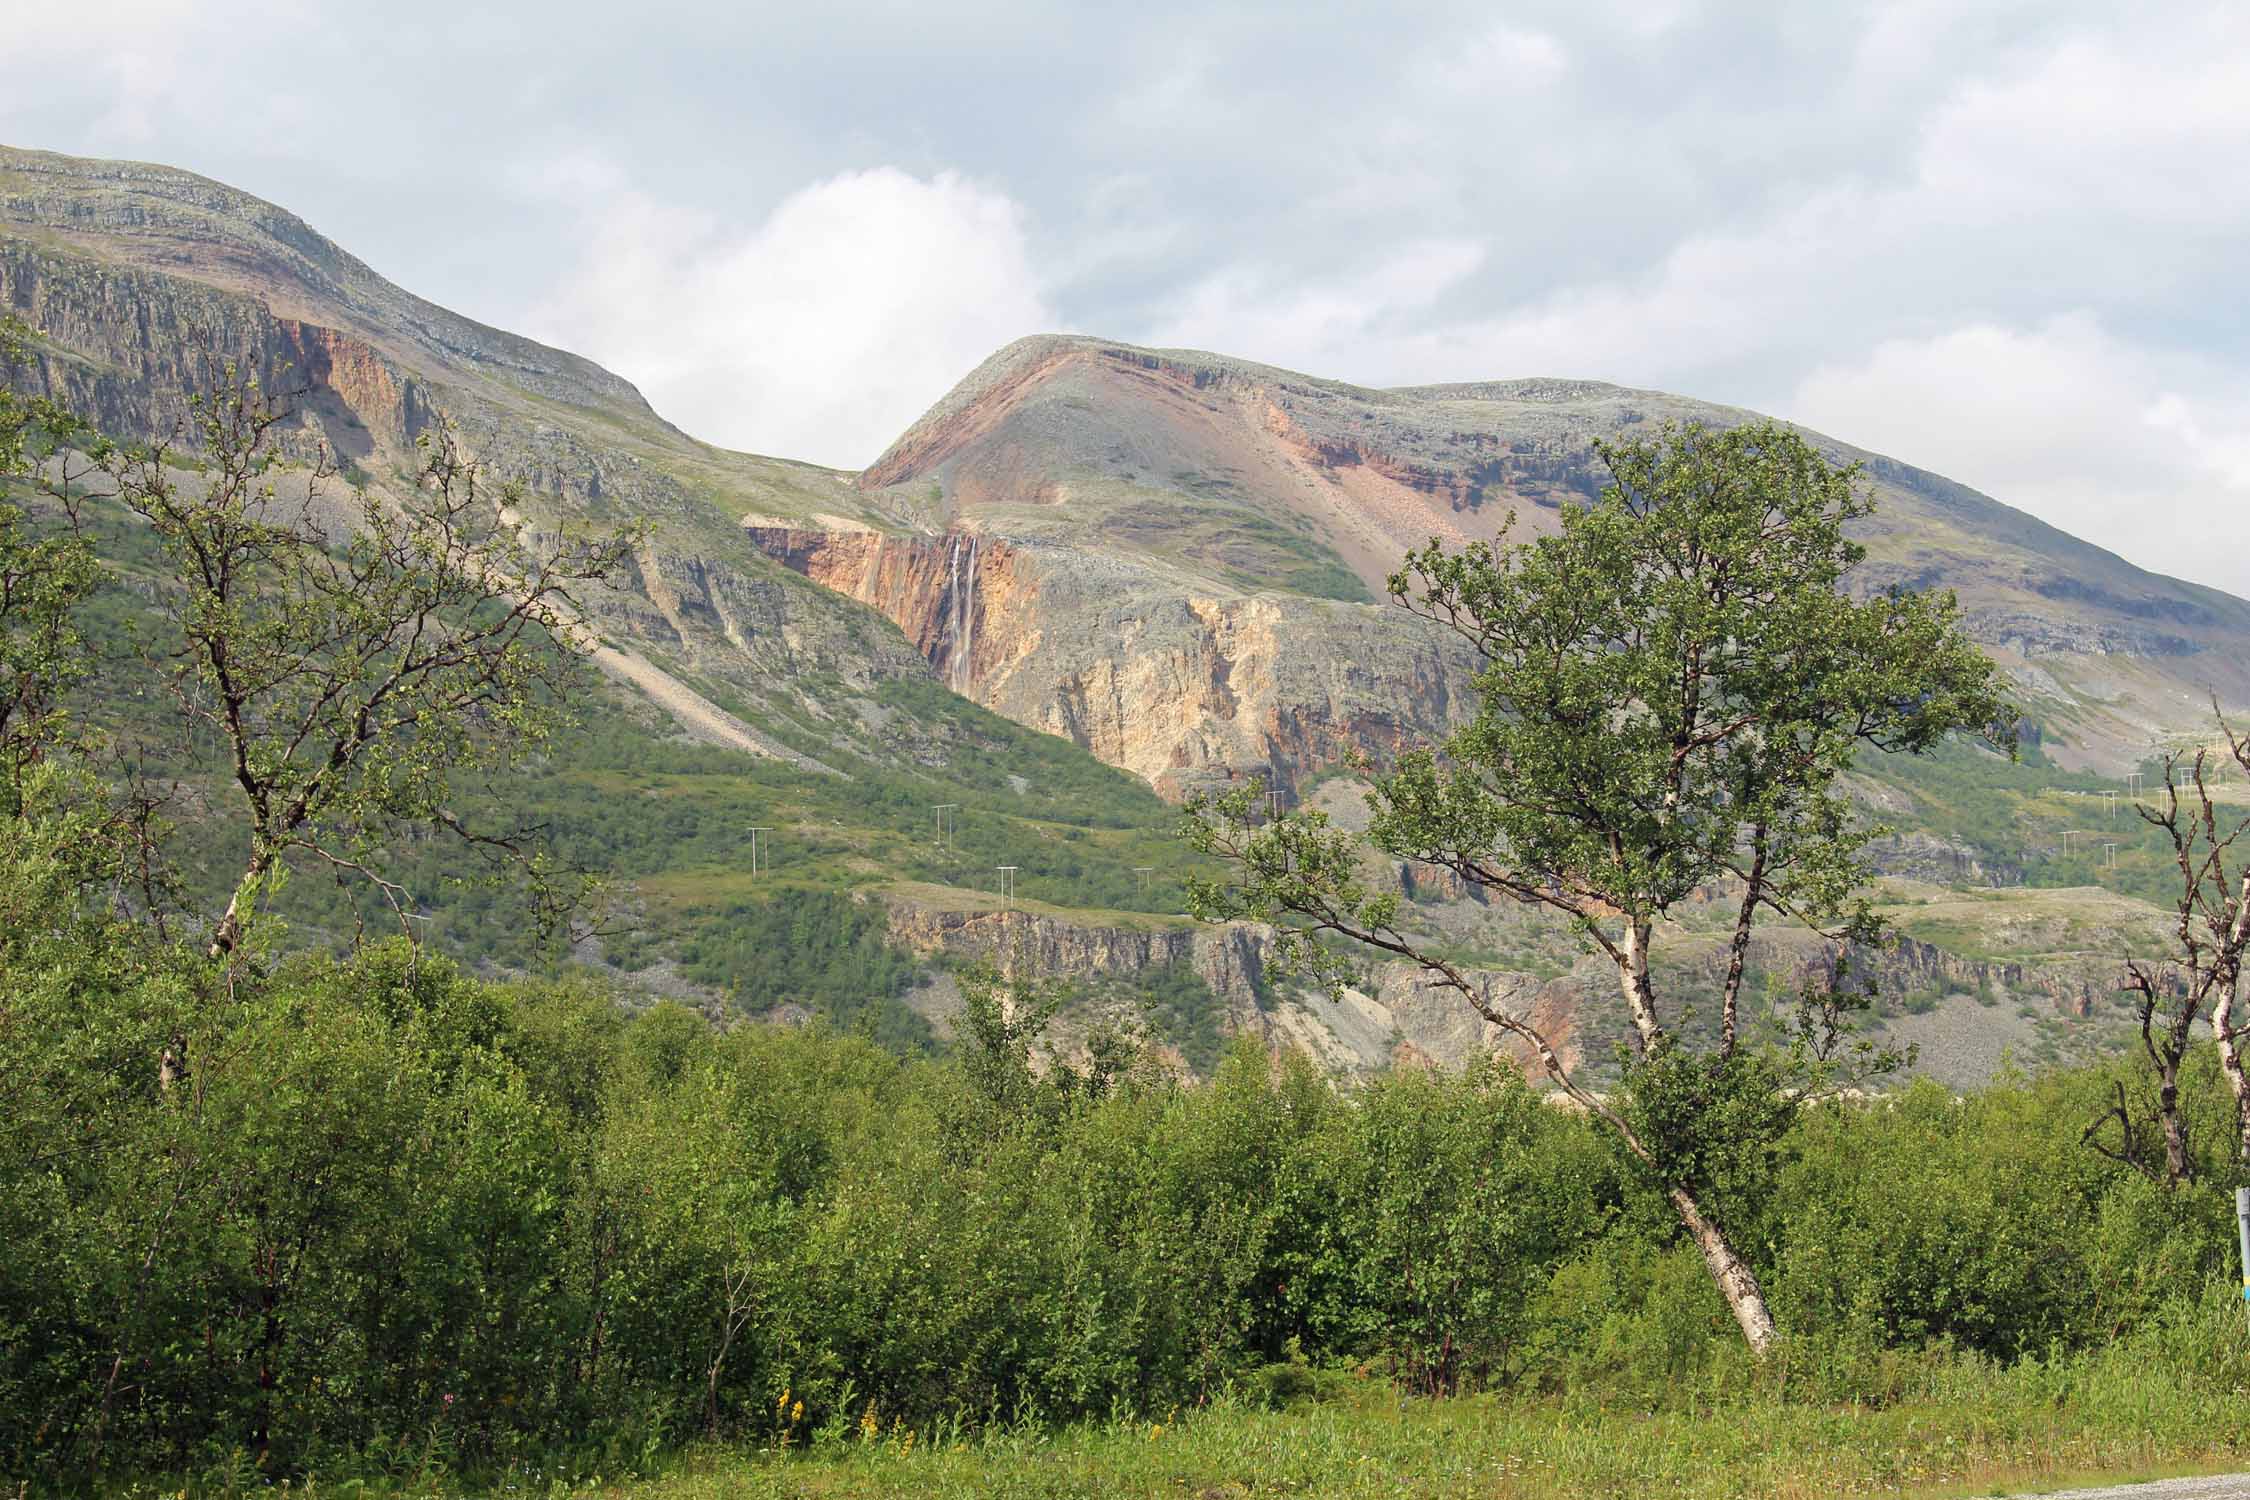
{"x": 1670, "y": 690}
{"x": 353, "y": 656}
{"x": 2202, "y": 983}
{"x": 47, "y": 571}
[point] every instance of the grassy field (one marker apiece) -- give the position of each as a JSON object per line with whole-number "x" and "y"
{"x": 1994, "y": 1434}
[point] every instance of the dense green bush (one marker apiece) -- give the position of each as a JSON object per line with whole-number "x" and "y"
{"x": 822, "y": 951}
{"x": 392, "y": 1216}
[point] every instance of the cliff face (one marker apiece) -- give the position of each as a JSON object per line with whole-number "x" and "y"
{"x": 1400, "y": 1017}
{"x": 131, "y": 346}
{"x": 969, "y": 607}
{"x": 1178, "y": 687}
{"x": 1231, "y": 960}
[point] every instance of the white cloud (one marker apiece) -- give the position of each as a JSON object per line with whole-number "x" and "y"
{"x": 132, "y": 73}
{"x": 819, "y": 334}
{"x": 2142, "y": 453}
{"x": 1323, "y": 327}
{"x": 2022, "y": 301}
{"x": 1500, "y": 58}
{"x": 2087, "y": 175}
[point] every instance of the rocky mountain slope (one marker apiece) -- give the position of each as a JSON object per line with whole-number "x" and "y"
{"x": 1166, "y": 560}
{"x": 2040, "y": 986}
{"x": 145, "y": 283}
{"x": 818, "y": 721}
{"x": 1166, "y": 554}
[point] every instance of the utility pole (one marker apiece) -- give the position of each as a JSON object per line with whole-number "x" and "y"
{"x": 2242, "y": 1223}
{"x": 2112, "y": 848}
{"x": 2132, "y": 784}
{"x": 763, "y": 828}
{"x": 941, "y": 809}
{"x": 1008, "y": 875}
{"x": 2109, "y": 805}
{"x": 1144, "y": 871}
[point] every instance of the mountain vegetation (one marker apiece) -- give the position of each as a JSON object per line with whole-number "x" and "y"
{"x": 817, "y": 1088}
{"x": 1108, "y": 547}
{"x": 1673, "y": 686}
{"x": 398, "y": 1222}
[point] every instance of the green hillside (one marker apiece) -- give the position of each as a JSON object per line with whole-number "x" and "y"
{"x": 665, "y": 821}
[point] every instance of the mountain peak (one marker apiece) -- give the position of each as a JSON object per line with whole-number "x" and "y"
{"x": 1215, "y": 475}
{"x": 144, "y": 216}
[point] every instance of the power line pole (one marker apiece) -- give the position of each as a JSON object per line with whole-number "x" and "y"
{"x": 1144, "y": 871}
{"x": 762, "y": 828}
{"x": 941, "y": 809}
{"x": 2112, "y": 860}
{"x": 1008, "y": 874}
{"x": 2242, "y": 1223}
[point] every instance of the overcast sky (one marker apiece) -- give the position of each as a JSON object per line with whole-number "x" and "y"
{"x": 2010, "y": 242}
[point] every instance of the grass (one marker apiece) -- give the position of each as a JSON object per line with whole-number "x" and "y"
{"x": 2026, "y": 922}
{"x": 1992, "y": 1433}
{"x": 951, "y": 898}
{"x": 1214, "y": 530}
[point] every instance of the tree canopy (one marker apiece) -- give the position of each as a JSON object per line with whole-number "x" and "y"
{"x": 1671, "y": 688}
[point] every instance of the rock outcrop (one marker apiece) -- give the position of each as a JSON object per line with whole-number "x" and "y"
{"x": 1180, "y": 687}
{"x": 1399, "y": 1016}
{"x": 1230, "y": 959}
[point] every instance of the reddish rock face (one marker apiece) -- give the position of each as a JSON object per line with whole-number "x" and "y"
{"x": 1181, "y": 691}
{"x": 1191, "y": 462}
{"x": 381, "y": 399}
{"x": 943, "y": 592}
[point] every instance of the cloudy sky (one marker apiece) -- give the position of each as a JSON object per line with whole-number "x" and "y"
{"x": 2007, "y": 241}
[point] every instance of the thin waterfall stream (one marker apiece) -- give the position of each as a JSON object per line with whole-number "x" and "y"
{"x": 962, "y": 565}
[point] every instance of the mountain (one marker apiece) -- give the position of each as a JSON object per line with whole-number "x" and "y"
{"x": 743, "y": 695}
{"x": 145, "y": 282}
{"x": 1165, "y": 556}
{"x": 1091, "y": 575}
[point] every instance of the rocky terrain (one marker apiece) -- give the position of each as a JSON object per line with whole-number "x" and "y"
{"x": 1172, "y": 561}
{"x": 145, "y": 284}
{"x": 1108, "y": 543}
{"x": 2054, "y": 994}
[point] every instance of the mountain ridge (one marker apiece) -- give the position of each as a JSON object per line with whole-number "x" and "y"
{"x": 1175, "y": 475}
{"x": 1168, "y": 559}
{"x": 202, "y": 219}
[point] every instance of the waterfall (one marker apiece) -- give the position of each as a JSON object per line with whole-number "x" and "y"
{"x": 961, "y": 565}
